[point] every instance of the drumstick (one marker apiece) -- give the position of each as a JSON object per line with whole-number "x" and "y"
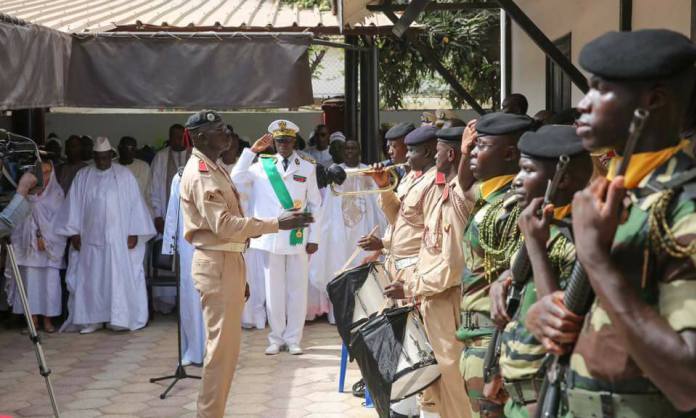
{"x": 356, "y": 252}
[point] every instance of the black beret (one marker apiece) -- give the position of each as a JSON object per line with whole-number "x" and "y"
{"x": 499, "y": 123}
{"x": 420, "y": 135}
{"x": 201, "y": 118}
{"x": 551, "y": 141}
{"x": 399, "y": 130}
{"x": 641, "y": 55}
{"x": 451, "y": 134}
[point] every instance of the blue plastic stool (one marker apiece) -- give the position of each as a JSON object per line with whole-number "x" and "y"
{"x": 342, "y": 371}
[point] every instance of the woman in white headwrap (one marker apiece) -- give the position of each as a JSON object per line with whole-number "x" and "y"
{"x": 39, "y": 253}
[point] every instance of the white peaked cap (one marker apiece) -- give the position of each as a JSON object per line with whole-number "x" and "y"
{"x": 102, "y": 144}
{"x": 283, "y": 127}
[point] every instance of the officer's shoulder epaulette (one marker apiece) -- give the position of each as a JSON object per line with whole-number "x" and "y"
{"x": 202, "y": 166}
{"x": 307, "y": 158}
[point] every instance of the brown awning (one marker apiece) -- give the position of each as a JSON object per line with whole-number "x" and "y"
{"x": 44, "y": 68}
{"x": 33, "y": 66}
{"x": 190, "y": 71}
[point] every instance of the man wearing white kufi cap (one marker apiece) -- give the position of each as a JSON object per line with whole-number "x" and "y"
{"x": 282, "y": 182}
{"x": 107, "y": 223}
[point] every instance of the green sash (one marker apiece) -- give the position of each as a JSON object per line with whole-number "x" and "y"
{"x": 269, "y": 166}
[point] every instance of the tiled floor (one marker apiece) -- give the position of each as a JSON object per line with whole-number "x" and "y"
{"x": 106, "y": 374}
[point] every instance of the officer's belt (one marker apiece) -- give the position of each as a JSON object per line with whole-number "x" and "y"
{"x": 586, "y": 404}
{"x": 524, "y": 391}
{"x": 403, "y": 263}
{"x": 230, "y": 247}
{"x": 475, "y": 320}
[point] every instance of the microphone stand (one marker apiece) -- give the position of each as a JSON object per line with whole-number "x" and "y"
{"x": 180, "y": 372}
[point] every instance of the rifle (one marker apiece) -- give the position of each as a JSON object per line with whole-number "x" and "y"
{"x": 578, "y": 295}
{"x": 520, "y": 268}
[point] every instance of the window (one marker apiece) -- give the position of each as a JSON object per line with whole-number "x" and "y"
{"x": 557, "y": 82}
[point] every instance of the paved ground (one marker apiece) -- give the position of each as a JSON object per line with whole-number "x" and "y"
{"x": 106, "y": 374}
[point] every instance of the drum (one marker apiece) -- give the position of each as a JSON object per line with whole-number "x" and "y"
{"x": 417, "y": 368}
{"x": 394, "y": 356}
{"x": 356, "y": 294}
{"x": 370, "y": 299}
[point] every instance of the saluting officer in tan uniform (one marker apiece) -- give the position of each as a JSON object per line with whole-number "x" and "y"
{"x": 215, "y": 225}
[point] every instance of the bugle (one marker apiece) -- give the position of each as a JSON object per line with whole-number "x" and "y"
{"x": 393, "y": 179}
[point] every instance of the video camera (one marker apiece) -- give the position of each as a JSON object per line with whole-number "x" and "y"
{"x": 18, "y": 155}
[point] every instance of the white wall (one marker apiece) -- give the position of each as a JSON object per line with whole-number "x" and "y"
{"x": 152, "y": 128}
{"x": 585, "y": 19}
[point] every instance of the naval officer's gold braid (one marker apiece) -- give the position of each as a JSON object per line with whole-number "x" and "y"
{"x": 660, "y": 233}
{"x": 498, "y": 246}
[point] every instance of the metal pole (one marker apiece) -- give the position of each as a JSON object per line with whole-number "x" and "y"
{"x": 33, "y": 335}
{"x": 351, "y": 89}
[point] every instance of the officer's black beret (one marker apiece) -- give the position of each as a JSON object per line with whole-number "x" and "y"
{"x": 641, "y": 55}
{"x": 499, "y": 123}
{"x": 420, "y": 135}
{"x": 201, "y": 118}
{"x": 551, "y": 141}
{"x": 451, "y": 134}
{"x": 399, "y": 130}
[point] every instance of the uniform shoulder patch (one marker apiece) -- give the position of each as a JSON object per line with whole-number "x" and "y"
{"x": 307, "y": 158}
{"x": 202, "y": 166}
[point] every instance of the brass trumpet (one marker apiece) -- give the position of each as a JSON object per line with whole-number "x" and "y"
{"x": 393, "y": 179}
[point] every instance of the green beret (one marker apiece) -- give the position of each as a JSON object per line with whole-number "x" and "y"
{"x": 641, "y": 55}
{"x": 421, "y": 135}
{"x": 551, "y": 141}
{"x": 451, "y": 134}
{"x": 499, "y": 123}
{"x": 201, "y": 118}
{"x": 399, "y": 130}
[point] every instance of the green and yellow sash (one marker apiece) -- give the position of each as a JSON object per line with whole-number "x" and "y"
{"x": 268, "y": 162}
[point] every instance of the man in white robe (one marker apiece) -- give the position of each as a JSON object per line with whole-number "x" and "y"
{"x": 164, "y": 166}
{"x": 127, "y": 148}
{"x": 192, "y": 327}
{"x": 39, "y": 254}
{"x": 320, "y": 151}
{"x": 108, "y": 224}
{"x": 358, "y": 216}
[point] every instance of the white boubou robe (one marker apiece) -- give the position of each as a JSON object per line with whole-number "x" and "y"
{"x": 164, "y": 167}
{"x": 105, "y": 279}
{"x": 344, "y": 220}
{"x": 192, "y": 327}
{"x": 39, "y": 269}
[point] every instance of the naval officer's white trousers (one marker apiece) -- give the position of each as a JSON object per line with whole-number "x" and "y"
{"x": 286, "y": 279}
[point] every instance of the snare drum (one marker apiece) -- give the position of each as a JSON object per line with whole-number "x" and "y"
{"x": 356, "y": 294}
{"x": 394, "y": 356}
{"x": 370, "y": 298}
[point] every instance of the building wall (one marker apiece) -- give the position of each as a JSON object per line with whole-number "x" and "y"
{"x": 585, "y": 19}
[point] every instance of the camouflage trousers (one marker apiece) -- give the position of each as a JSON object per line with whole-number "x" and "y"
{"x": 471, "y": 367}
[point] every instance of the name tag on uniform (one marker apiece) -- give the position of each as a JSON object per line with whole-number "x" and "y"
{"x": 300, "y": 179}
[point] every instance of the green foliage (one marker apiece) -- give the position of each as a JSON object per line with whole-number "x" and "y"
{"x": 309, "y": 4}
{"x": 467, "y": 43}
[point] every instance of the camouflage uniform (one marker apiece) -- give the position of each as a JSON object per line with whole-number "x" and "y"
{"x": 521, "y": 354}
{"x": 477, "y": 327}
{"x": 603, "y": 379}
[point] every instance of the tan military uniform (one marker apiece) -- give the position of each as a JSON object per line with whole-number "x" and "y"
{"x": 436, "y": 284}
{"x": 404, "y": 211}
{"x": 215, "y": 225}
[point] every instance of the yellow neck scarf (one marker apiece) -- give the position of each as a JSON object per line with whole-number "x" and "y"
{"x": 643, "y": 163}
{"x": 562, "y": 211}
{"x": 491, "y": 186}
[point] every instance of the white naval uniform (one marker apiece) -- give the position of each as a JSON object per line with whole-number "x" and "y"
{"x": 285, "y": 265}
